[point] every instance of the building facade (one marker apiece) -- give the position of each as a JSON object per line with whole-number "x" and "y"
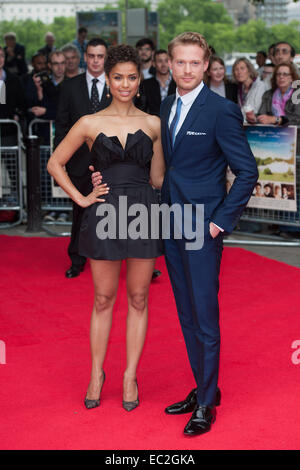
{"x": 293, "y": 12}
{"x": 273, "y": 11}
{"x": 47, "y": 10}
{"x": 241, "y": 11}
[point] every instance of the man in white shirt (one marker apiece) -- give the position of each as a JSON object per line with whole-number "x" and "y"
{"x": 202, "y": 133}
{"x": 146, "y": 48}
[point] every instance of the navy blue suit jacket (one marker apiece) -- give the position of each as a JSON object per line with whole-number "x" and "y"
{"x": 211, "y": 137}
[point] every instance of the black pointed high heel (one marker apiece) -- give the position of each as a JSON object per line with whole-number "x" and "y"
{"x": 131, "y": 405}
{"x": 89, "y": 404}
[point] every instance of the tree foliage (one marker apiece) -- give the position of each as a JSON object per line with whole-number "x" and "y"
{"x": 31, "y": 33}
{"x": 212, "y": 20}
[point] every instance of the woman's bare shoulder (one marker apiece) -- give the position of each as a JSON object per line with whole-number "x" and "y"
{"x": 89, "y": 121}
{"x": 154, "y": 121}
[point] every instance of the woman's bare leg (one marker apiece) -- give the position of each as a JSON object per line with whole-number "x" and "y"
{"x": 106, "y": 280}
{"x": 139, "y": 275}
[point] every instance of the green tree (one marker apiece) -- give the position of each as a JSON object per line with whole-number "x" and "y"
{"x": 286, "y": 32}
{"x": 253, "y": 36}
{"x": 31, "y": 33}
{"x": 173, "y": 12}
{"x": 64, "y": 30}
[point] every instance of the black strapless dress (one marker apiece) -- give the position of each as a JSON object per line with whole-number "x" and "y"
{"x": 127, "y": 173}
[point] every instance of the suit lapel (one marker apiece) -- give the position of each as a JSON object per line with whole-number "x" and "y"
{"x": 192, "y": 115}
{"x": 104, "y": 102}
{"x": 85, "y": 95}
{"x": 165, "y": 124}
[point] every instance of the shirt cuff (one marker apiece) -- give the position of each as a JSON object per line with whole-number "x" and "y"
{"x": 222, "y": 230}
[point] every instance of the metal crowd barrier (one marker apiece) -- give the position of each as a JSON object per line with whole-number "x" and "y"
{"x": 272, "y": 217}
{"x": 49, "y": 203}
{"x": 269, "y": 216}
{"x": 11, "y": 196}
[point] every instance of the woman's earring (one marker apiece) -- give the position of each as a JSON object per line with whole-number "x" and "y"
{"x": 138, "y": 95}
{"x": 107, "y": 94}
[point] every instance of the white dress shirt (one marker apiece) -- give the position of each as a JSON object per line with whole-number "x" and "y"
{"x": 146, "y": 73}
{"x": 100, "y": 84}
{"x": 187, "y": 102}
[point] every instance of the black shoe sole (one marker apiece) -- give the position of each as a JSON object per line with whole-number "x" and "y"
{"x": 76, "y": 272}
{"x": 199, "y": 432}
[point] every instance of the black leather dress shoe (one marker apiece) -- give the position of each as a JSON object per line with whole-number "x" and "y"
{"x": 74, "y": 271}
{"x": 188, "y": 405}
{"x": 156, "y": 273}
{"x": 201, "y": 421}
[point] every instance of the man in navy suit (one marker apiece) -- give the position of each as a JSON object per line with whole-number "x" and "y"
{"x": 202, "y": 133}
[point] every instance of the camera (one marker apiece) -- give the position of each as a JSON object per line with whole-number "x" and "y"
{"x": 44, "y": 76}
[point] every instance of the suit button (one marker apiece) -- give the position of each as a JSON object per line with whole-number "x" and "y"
{"x": 171, "y": 168}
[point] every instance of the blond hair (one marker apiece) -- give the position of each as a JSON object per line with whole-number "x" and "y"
{"x": 188, "y": 38}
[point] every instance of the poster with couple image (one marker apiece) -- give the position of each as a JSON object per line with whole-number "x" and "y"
{"x": 274, "y": 149}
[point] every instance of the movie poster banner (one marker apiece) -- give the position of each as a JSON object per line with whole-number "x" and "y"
{"x": 106, "y": 24}
{"x": 274, "y": 149}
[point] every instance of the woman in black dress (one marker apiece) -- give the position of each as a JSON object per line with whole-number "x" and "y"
{"x": 125, "y": 145}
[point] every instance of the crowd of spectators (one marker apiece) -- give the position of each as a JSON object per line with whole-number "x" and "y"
{"x": 263, "y": 91}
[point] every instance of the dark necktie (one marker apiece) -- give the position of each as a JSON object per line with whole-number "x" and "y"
{"x": 175, "y": 121}
{"x": 95, "y": 96}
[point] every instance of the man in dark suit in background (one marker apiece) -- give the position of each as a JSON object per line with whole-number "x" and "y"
{"x": 14, "y": 55}
{"x": 155, "y": 89}
{"x": 202, "y": 133}
{"x": 49, "y": 46}
{"x": 81, "y": 95}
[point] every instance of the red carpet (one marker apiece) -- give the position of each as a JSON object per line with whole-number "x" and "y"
{"x": 44, "y": 323}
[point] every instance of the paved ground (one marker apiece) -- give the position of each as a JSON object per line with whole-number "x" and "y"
{"x": 277, "y": 248}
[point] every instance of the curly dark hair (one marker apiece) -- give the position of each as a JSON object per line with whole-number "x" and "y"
{"x": 121, "y": 54}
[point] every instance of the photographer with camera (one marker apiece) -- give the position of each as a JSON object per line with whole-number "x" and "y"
{"x": 47, "y": 86}
{"x": 39, "y": 64}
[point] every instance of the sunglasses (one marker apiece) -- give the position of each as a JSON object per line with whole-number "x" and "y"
{"x": 284, "y": 51}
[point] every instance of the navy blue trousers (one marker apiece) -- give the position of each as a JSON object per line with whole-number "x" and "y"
{"x": 194, "y": 277}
